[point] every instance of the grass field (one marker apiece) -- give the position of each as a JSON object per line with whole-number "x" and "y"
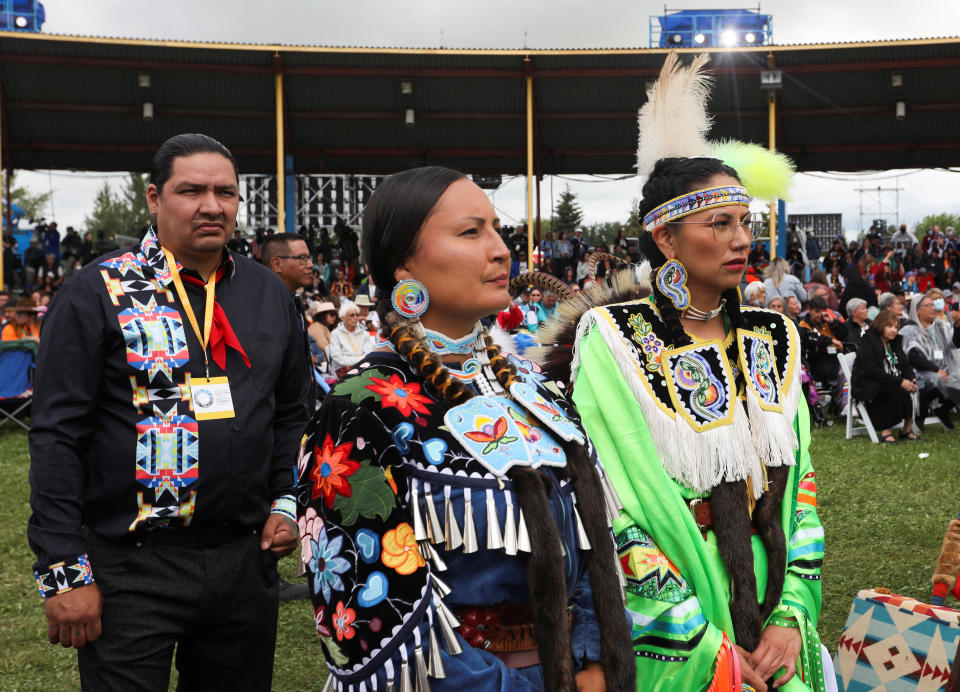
{"x": 884, "y": 509}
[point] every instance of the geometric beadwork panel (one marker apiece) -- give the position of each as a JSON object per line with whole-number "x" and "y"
{"x": 891, "y": 643}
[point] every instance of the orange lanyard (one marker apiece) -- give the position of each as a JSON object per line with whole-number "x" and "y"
{"x": 209, "y": 288}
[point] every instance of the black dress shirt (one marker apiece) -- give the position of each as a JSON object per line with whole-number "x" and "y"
{"x": 92, "y": 459}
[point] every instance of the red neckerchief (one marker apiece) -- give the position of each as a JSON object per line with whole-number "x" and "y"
{"x": 221, "y": 333}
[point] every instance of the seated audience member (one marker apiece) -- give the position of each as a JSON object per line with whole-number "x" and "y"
{"x": 793, "y": 308}
{"x": 369, "y": 318}
{"x": 818, "y": 286}
{"x": 776, "y": 304}
{"x": 531, "y": 311}
{"x": 755, "y": 294}
{"x": 893, "y": 303}
{"x": 24, "y": 324}
{"x": 342, "y": 287}
{"x": 883, "y": 378}
{"x": 857, "y": 324}
{"x": 324, "y": 321}
{"x": 821, "y": 345}
{"x": 857, "y": 287}
{"x": 928, "y": 343}
{"x": 778, "y": 281}
{"x": 548, "y": 306}
{"x": 350, "y": 341}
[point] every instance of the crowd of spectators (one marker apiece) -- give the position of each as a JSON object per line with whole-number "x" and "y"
{"x": 832, "y": 295}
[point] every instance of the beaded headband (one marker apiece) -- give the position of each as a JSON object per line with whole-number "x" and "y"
{"x": 695, "y": 201}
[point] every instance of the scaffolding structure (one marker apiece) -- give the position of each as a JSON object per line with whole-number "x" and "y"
{"x": 875, "y": 204}
{"x": 320, "y": 200}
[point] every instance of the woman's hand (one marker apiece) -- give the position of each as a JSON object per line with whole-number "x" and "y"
{"x": 908, "y": 385}
{"x": 778, "y": 647}
{"x": 943, "y": 375}
{"x": 747, "y": 672}
{"x": 591, "y": 678}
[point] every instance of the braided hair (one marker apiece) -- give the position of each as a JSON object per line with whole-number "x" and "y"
{"x": 673, "y": 177}
{"x": 392, "y": 221}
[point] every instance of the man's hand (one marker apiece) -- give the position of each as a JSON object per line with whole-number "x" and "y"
{"x": 778, "y": 647}
{"x": 279, "y": 534}
{"x": 73, "y": 617}
{"x": 591, "y": 678}
{"x": 747, "y": 673}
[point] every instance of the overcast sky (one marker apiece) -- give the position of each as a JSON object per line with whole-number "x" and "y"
{"x": 512, "y": 24}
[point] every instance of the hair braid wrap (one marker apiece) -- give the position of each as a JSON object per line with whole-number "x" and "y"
{"x": 547, "y": 584}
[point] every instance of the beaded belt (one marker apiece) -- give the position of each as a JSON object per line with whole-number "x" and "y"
{"x": 505, "y": 630}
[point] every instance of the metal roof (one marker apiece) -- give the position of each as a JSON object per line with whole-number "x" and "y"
{"x": 74, "y": 102}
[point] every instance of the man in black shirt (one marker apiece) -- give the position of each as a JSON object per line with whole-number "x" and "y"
{"x": 169, "y": 405}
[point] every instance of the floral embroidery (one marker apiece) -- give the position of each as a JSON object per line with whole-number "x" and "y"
{"x": 331, "y": 469}
{"x": 343, "y": 622}
{"x": 326, "y": 564}
{"x": 319, "y": 615}
{"x": 404, "y": 397}
{"x": 528, "y": 370}
{"x": 309, "y": 524}
{"x": 651, "y": 344}
{"x": 400, "y": 550}
{"x": 491, "y": 432}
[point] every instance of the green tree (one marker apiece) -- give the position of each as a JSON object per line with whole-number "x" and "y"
{"x": 567, "y": 215}
{"x": 602, "y": 233}
{"x": 134, "y": 213}
{"x": 32, "y": 203}
{"x": 942, "y": 220}
{"x": 108, "y": 214}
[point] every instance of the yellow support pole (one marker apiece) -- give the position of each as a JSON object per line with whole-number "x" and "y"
{"x": 772, "y": 145}
{"x": 281, "y": 178}
{"x": 529, "y": 171}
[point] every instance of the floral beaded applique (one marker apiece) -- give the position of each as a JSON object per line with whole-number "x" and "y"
{"x": 651, "y": 344}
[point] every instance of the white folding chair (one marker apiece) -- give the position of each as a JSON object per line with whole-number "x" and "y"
{"x": 855, "y": 407}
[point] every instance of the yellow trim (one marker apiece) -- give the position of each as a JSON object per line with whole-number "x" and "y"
{"x": 710, "y": 344}
{"x": 793, "y": 348}
{"x": 742, "y": 357}
{"x": 642, "y": 372}
{"x": 274, "y": 47}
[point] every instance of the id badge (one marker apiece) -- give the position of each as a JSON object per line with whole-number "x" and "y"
{"x": 832, "y": 350}
{"x": 938, "y": 354}
{"x": 211, "y": 398}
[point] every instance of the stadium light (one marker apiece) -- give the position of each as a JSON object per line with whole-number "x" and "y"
{"x": 677, "y": 38}
{"x": 699, "y": 38}
{"x": 21, "y": 22}
{"x": 147, "y": 111}
{"x": 409, "y": 117}
{"x": 728, "y": 38}
{"x": 750, "y": 37}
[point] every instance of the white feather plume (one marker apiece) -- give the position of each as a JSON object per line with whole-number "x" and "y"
{"x": 674, "y": 120}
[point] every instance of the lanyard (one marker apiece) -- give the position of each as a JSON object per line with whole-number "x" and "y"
{"x": 209, "y": 288}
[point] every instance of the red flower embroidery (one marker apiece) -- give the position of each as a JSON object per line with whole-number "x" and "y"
{"x": 400, "y": 395}
{"x": 331, "y": 469}
{"x": 343, "y": 622}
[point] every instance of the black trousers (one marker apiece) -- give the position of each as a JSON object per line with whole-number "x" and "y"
{"x": 217, "y": 605}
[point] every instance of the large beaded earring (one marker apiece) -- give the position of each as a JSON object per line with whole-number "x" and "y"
{"x": 410, "y": 299}
{"x": 672, "y": 282}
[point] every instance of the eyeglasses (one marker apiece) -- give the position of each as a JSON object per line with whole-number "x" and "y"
{"x": 724, "y": 224}
{"x": 302, "y": 259}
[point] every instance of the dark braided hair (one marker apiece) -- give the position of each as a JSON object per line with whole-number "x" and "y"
{"x": 389, "y": 237}
{"x": 673, "y": 177}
